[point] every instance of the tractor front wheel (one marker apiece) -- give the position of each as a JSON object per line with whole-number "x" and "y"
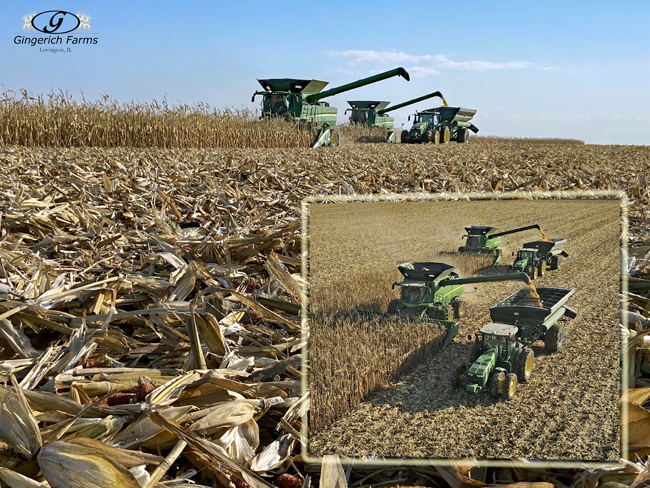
{"x": 496, "y": 383}
{"x": 524, "y": 365}
{"x": 542, "y": 268}
{"x": 459, "y": 377}
{"x": 459, "y": 308}
{"x": 394, "y": 306}
{"x": 510, "y": 386}
{"x": 427, "y": 136}
{"x": 554, "y": 338}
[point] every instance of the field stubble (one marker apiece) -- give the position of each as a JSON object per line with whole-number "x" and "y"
{"x": 241, "y": 197}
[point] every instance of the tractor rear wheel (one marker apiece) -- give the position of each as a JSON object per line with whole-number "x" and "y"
{"x": 404, "y": 137}
{"x": 554, "y": 338}
{"x": 524, "y": 365}
{"x": 496, "y": 383}
{"x": 334, "y": 138}
{"x": 459, "y": 307}
{"x": 532, "y": 272}
{"x": 445, "y": 135}
{"x": 436, "y": 137}
{"x": 459, "y": 377}
{"x": 556, "y": 262}
{"x": 394, "y": 306}
{"x": 509, "y": 387}
{"x": 542, "y": 268}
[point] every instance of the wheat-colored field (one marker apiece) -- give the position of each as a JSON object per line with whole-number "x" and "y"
{"x": 568, "y": 410}
{"x": 91, "y": 211}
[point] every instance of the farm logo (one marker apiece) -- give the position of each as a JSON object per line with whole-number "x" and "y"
{"x": 55, "y": 24}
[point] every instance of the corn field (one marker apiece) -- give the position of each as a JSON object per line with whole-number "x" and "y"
{"x": 58, "y": 120}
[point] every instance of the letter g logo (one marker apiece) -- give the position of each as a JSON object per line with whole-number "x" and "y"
{"x": 55, "y": 22}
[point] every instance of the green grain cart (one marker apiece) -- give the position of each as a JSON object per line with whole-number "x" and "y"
{"x": 502, "y": 355}
{"x": 300, "y": 101}
{"x": 483, "y": 240}
{"x": 538, "y": 256}
{"x": 373, "y": 113}
{"x": 440, "y": 125}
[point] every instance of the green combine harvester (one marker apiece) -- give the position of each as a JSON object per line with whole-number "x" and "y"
{"x": 433, "y": 290}
{"x": 300, "y": 101}
{"x": 535, "y": 257}
{"x": 483, "y": 240}
{"x": 502, "y": 355}
{"x": 440, "y": 125}
{"x": 373, "y": 113}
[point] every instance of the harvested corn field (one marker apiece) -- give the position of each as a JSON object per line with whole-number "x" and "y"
{"x": 567, "y": 410}
{"x": 217, "y": 230}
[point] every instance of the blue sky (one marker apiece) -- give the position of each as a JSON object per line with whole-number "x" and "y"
{"x": 550, "y": 69}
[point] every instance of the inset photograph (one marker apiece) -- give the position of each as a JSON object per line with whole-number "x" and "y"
{"x": 482, "y": 328}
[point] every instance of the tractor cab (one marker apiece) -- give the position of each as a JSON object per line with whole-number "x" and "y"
{"x": 425, "y": 119}
{"x": 526, "y": 254}
{"x": 477, "y": 236}
{"x": 502, "y": 338}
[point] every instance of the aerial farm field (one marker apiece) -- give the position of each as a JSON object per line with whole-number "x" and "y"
{"x": 568, "y": 409}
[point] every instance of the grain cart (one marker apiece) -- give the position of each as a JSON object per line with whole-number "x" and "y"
{"x": 502, "y": 356}
{"x": 535, "y": 257}
{"x": 434, "y": 290}
{"x": 440, "y": 125}
{"x": 483, "y": 240}
{"x": 373, "y": 113}
{"x": 300, "y": 101}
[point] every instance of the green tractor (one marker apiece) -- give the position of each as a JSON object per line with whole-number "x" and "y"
{"x": 373, "y": 113}
{"x": 483, "y": 240}
{"x": 502, "y": 355}
{"x": 300, "y": 101}
{"x": 434, "y": 290}
{"x": 538, "y": 256}
{"x": 440, "y": 125}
